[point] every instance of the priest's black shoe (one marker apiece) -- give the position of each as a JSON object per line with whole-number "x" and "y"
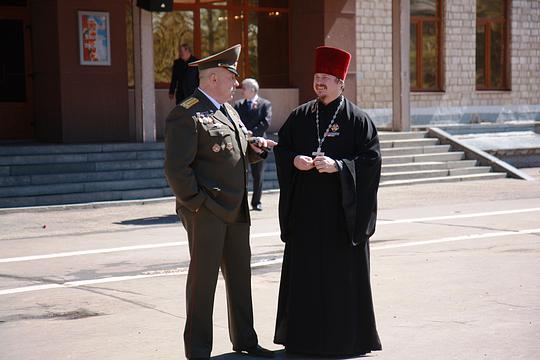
{"x": 256, "y": 351}
{"x": 257, "y": 207}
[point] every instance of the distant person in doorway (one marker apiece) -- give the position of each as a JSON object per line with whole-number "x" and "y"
{"x": 185, "y": 79}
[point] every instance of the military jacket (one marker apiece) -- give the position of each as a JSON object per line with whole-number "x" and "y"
{"x": 207, "y": 156}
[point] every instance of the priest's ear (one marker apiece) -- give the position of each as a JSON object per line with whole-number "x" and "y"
{"x": 342, "y": 84}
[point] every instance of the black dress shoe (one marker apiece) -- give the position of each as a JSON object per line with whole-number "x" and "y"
{"x": 257, "y": 207}
{"x": 257, "y": 351}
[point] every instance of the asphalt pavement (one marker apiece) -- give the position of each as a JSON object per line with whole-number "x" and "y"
{"x": 455, "y": 274}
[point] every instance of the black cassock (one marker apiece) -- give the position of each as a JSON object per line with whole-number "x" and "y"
{"x": 325, "y": 305}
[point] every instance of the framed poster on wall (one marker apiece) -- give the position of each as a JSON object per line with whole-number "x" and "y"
{"x": 94, "y": 38}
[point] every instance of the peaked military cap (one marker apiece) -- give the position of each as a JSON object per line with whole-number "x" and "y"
{"x": 227, "y": 59}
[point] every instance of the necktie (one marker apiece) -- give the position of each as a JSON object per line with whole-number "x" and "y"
{"x": 224, "y": 111}
{"x": 249, "y": 102}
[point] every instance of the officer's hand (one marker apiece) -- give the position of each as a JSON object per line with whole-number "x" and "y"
{"x": 171, "y": 96}
{"x": 324, "y": 164}
{"x": 304, "y": 163}
{"x": 255, "y": 148}
{"x": 262, "y": 143}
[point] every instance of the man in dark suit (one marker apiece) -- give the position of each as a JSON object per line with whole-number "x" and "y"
{"x": 206, "y": 160}
{"x": 185, "y": 79}
{"x": 256, "y": 114}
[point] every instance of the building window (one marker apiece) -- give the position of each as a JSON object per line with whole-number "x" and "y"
{"x": 492, "y": 45}
{"x": 425, "y": 52}
{"x": 260, "y": 26}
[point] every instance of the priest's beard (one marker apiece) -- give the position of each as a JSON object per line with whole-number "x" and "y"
{"x": 326, "y": 98}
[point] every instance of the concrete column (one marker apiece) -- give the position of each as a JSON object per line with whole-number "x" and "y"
{"x": 145, "y": 98}
{"x": 401, "y": 108}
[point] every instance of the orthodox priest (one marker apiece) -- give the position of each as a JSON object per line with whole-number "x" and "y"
{"x": 329, "y": 164}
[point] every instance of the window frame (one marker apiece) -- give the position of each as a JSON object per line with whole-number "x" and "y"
{"x": 486, "y": 23}
{"x": 244, "y": 8}
{"x": 418, "y": 22}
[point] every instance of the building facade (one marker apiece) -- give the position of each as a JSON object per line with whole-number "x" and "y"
{"x": 470, "y": 61}
{"x": 461, "y": 84}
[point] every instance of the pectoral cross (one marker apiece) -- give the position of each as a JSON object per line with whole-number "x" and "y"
{"x": 318, "y": 152}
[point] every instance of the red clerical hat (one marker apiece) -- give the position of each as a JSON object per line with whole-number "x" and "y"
{"x": 332, "y": 61}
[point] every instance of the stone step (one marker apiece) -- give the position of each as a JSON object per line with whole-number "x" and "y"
{"x": 387, "y": 144}
{"x": 81, "y": 187}
{"x": 433, "y": 165}
{"x": 487, "y": 176}
{"x": 268, "y": 175}
{"x": 45, "y": 179}
{"x": 422, "y": 174}
{"x": 403, "y": 159}
{"x": 388, "y": 135}
{"x": 80, "y": 167}
{"x": 76, "y": 198}
{"x": 77, "y": 148}
{"x": 17, "y": 160}
{"x": 413, "y": 150}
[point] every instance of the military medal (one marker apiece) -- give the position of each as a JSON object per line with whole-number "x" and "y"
{"x": 216, "y": 148}
{"x": 229, "y": 146}
{"x": 331, "y": 126}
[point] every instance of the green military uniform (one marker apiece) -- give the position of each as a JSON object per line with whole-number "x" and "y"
{"x": 207, "y": 157}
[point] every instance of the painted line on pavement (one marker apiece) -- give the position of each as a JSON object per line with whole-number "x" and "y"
{"x": 94, "y": 251}
{"x": 79, "y": 283}
{"x": 460, "y": 216}
{"x": 111, "y": 250}
{"x": 253, "y": 236}
{"x": 458, "y": 238}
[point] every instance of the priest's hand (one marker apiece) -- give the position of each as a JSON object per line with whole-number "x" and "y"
{"x": 303, "y": 163}
{"x": 324, "y": 164}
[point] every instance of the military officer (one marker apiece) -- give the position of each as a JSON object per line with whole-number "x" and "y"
{"x": 206, "y": 161}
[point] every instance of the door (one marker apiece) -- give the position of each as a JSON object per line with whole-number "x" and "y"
{"x": 16, "y": 110}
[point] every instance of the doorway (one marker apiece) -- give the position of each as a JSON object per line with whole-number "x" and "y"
{"x": 16, "y": 110}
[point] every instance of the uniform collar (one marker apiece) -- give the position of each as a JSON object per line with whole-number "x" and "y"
{"x": 214, "y": 101}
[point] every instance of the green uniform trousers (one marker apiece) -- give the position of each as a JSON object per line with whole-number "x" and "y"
{"x": 214, "y": 244}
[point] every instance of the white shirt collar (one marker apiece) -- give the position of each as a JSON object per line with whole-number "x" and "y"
{"x": 253, "y": 99}
{"x": 216, "y": 104}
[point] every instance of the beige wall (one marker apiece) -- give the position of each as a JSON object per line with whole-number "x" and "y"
{"x": 460, "y": 101}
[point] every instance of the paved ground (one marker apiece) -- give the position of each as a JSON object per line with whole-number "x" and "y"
{"x": 455, "y": 271}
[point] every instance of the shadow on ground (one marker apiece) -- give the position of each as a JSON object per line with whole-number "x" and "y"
{"x": 280, "y": 354}
{"x": 156, "y": 220}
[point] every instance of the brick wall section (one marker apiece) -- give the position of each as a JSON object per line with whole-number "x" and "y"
{"x": 374, "y": 53}
{"x": 374, "y": 43}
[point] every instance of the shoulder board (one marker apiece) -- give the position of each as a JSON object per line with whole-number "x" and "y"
{"x": 189, "y": 102}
